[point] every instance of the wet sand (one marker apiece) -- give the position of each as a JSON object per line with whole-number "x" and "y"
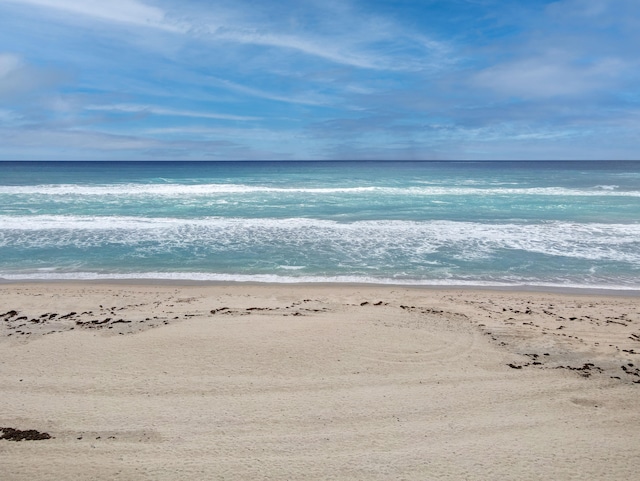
{"x": 140, "y": 381}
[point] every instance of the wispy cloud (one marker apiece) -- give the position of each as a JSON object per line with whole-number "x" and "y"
{"x": 358, "y": 47}
{"x": 326, "y": 48}
{"x": 130, "y": 12}
{"x": 154, "y": 110}
{"x": 550, "y": 76}
{"x": 306, "y": 99}
{"x": 88, "y": 145}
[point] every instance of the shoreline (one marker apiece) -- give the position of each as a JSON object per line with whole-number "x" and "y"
{"x": 522, "y": 288}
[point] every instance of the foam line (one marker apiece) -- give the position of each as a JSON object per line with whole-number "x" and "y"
{"x": 175, "y": 190}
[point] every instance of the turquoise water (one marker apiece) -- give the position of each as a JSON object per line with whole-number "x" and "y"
{"x": 564, "y": 224}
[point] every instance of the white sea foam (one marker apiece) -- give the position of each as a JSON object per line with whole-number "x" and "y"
{"x": 200, "y": 190}
{"x": 169, "y": 190}
{"x": 278, "y": 279}
{"x": 375, "y": 239}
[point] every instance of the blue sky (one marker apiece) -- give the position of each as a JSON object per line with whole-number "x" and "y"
{"x": 325, "y": 79}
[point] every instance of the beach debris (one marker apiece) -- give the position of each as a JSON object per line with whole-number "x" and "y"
{"x": 221, "y": 309}
{"x": 631, "y": 370}
{"x": 13, "y": 434}
{"x": 585, "y": 370}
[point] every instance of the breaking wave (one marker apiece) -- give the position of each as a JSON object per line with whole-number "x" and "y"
{"x": 177, "y": 190}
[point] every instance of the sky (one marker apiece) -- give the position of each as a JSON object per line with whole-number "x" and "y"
{"x": 319, "y": 80}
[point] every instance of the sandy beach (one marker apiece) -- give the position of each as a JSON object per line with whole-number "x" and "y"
{"x": 140, "y": 381}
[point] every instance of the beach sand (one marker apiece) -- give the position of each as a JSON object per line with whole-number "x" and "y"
{"x": 239, "y": 382}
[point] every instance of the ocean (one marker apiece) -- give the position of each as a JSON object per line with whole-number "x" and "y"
{"x": 555, "y": 224}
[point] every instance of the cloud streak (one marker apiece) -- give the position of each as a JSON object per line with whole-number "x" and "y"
{"x": 154, "y": 110}
{"x": 131, "y": 12}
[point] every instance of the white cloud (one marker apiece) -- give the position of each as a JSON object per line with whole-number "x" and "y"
{"x": 8, "y": 63}
{"x": 120, "y": 11}
{"x": 7, "y": 116}
{"x": 547, "y": 76}
{"x": 18, "y": 77}
{"x": 334, "y": 31}
{"x": 92, "y": 145}
{"x": 150, "y": 109}
{"x": 362, "y": 43}
{"x": 339, "y": 33}
{"x": 323, "y": 49}
{"x": 582, "y": 8}
{"x": 309, "y": 99}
